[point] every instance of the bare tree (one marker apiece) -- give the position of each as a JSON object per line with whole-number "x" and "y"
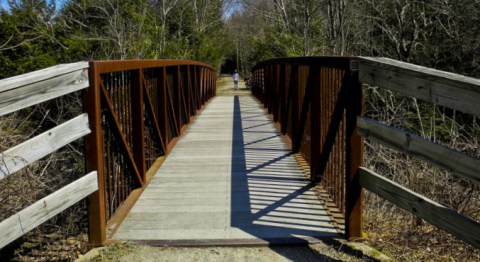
{"x": 336, "y": 14}
{"x": 163, "y": 10}
{"x": 118, "y": 26}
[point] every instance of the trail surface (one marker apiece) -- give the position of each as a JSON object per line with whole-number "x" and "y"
{"x": 324, "y": 251}
{"x": 131, "y": 252}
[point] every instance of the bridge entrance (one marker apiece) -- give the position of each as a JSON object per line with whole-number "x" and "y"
{"x": 230, "y": 180}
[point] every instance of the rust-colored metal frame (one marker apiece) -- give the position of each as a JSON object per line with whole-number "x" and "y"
{"x": 118, "y": 101}
{"x": 315, "y": 101}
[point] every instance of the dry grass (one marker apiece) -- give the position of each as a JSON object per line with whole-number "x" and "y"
{"x": 394, "y": 230}
{"x": 61, "y": 238}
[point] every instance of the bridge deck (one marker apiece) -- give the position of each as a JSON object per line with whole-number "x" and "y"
{"x": 229, "y": 180}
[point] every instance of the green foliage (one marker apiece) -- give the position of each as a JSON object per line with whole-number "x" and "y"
{"x": 441, "y": 34}
{"x": 195, "y": 31}
{"x": 34, "y": 34}
{"x": 27, "y": 38}
{"x": 267, "y": 29}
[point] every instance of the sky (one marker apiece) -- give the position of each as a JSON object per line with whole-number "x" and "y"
{"x": 4, "y": 3}
{"x": 231, "y": 7}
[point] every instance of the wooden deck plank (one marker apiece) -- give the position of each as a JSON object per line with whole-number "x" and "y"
{"x": 229, "y": 179}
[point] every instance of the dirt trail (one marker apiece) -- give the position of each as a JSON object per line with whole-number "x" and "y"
{"x": 225, "y": 87}
{"x": 132, "y": 252}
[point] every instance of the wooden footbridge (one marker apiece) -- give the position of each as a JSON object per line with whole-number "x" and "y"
{"x": 169, "y": 162}
{"x": 244, "y": 185}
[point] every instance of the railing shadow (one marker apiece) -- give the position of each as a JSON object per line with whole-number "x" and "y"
{"x": 269, "y": 200}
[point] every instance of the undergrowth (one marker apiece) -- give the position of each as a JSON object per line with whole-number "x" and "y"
{"x": 393, "y": 230}
{"x": 63, "y": 237}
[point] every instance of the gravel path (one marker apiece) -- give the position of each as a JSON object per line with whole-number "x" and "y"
{"x": 138, "y": 253}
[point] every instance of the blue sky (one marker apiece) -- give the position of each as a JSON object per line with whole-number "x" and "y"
{"x": 4, "y": 3}
{"x": 230, "y": 9}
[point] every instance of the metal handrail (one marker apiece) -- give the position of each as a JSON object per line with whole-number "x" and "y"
{"x": 318, "y": 103}
{"x": 137, "y": 109}
{"x": 315, "y": 101}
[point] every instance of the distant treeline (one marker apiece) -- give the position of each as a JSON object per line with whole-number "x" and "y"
{"x": 436, "y": 33}
{"x": 36, "y": 33}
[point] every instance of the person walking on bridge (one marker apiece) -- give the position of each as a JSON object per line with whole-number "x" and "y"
{"x": 236, "y": 76}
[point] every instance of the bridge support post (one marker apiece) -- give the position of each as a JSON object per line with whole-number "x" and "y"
{"x": 163, "y": 104}
{"x": 94, "y": 160}
{"x": 354, "y": 157}
{"x": 138, "y": 123}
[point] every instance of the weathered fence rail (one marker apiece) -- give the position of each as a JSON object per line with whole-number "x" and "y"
{"x": 318, "y": 102}
{"x": 134, "y": 112}
{"x": 442, "y": 88}
{"x": 30, "y": 89}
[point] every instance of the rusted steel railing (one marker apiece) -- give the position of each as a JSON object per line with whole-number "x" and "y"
{"x": 315, "y": 101}
{"x": 137, "y": 109}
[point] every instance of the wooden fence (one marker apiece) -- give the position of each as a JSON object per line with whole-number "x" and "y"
{"x": 30, "y": 89}
{"x": 442, "y": 88}
{"x": 134, "y": 112}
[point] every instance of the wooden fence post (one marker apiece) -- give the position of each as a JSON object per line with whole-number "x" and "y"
{"x": 94, "y": 159}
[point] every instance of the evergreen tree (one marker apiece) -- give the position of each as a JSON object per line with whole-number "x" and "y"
{"x": 28, "y": 37}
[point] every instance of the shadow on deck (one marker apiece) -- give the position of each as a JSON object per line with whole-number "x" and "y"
{"x": 230, "y": 180}
{"x": 276, "y": 203}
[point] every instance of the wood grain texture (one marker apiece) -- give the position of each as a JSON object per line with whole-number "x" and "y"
{"x": 443, "y": 88}
{"x": 42, "y": 85}
{"x": 46, "y": 143}
{"x": 454, "y": 161}
{"x": 434, "y": 213}
{"x": 40, "y": 75}
{"x": 44, "y": 209}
